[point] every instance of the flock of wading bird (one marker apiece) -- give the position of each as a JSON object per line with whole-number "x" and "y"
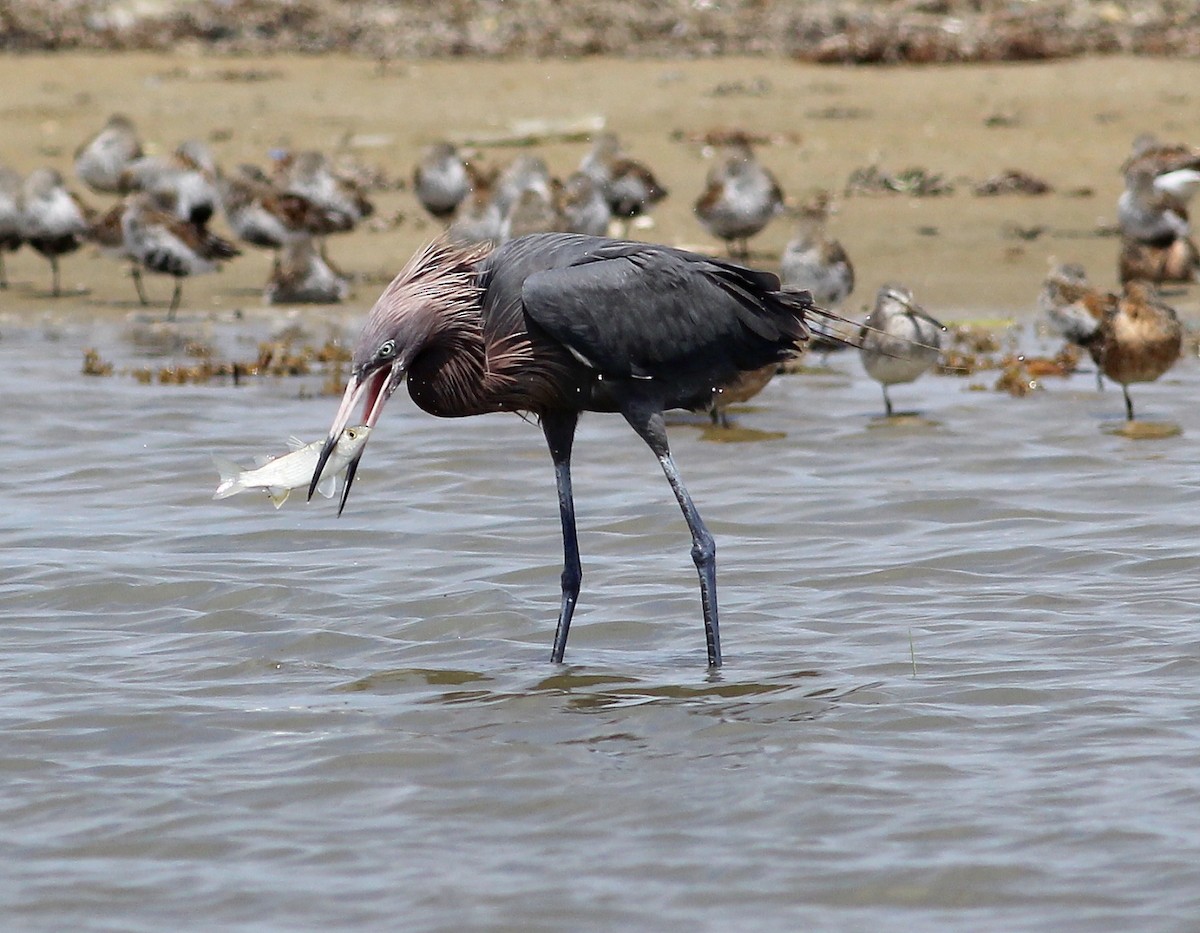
{"x": 161, "y": 224}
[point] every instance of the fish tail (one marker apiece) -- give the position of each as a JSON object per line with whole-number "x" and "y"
{"x": 279, "y": 495}
{"x": 231, "y": 478}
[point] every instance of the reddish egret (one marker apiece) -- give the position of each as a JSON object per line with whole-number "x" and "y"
{"x": 555, "y": 324}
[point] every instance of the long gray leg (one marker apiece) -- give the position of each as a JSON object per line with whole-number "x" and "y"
{"x": 887, "y": 402}
{"x": 650, "y": 426}
{"x": 559, "y": 429}
{"x": 1128, "y": 403}
{"x": 175, "y": 299}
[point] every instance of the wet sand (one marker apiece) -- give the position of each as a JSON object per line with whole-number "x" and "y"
{"x": 1069, "y": 123}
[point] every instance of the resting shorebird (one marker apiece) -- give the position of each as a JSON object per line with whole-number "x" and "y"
{"x": 441, "y": 179}
{"x": 53, "y": 220}
{"x": 11, "y": 233}
{"x": 102, "y": 160}
{"x": 303, "y": 276}
{"x": 161, "y": 242}
{"x": 898, "y": 341}
{"x": 740, "y": 197}
{"x": 1134, "y": 337}
{"x": 628, "y": 185}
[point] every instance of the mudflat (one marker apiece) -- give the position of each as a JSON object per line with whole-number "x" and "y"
{"x": 1067, "y": 123}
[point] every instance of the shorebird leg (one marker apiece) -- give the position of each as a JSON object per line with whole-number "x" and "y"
{"x": 651, "y": 428}
{"x": 136, "y": 272}
{"x": 559, "y": 429}
{"x": 1128, "y": 403}
{"x": 887, "y": 402}
{"x": 175, "y": 298}
{"x": 55, "y": 290}
{"x": 3, "y": 272}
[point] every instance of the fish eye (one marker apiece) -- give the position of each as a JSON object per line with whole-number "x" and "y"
{"x": 387, "y": 350}
{"x": 351, "y": 433}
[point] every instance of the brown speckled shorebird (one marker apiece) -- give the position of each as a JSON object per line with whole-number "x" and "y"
{"x": 740, "y": 197}
{"x": 1135, "y": 337}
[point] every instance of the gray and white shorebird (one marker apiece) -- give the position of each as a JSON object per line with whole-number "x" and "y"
{"x": 899, "y": 340}
{"x": 162, "y": 242}
{"x": 740, "y": 197}
{"x": 101, "y": 161}
{"x": 812, "y": 260}
{"x": 629, "y": 185}
{"x": 53, "y": 220}
{"x": 441, "y": 179}
{"x": 187, "y": 179}
{"x": 584, "y": 207}
{"x": 11, "y": 233}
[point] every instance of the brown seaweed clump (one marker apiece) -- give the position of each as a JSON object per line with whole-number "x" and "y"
{"x": 916, "y": 181}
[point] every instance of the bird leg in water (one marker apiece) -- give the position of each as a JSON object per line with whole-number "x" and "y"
{"x": 55, "y": 289}
{"x": 651, "y": 428}
{"x": 887, "y": 402}
{"x": 560, "y": 434}
{"x": 1128, "y": 403}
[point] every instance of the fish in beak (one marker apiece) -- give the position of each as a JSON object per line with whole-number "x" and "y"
{"x": 374, "y": 388}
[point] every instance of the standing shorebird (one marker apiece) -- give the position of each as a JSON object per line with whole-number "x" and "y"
{"x": 1134, "y": 337}
{"x": 740, "y": 197}
{"x": 161, "y": 242}
{"x": 11, "y": 228}
{"x": 101, "y": 162}
{"x": 899, "y": 340}
{"x": 629, "y": 186}
{"x": 557, "y": 324}
{"x": 1074, "y": 308}
{"x": 441, "y": 179}
{"x": 53, "y": 220}
{"x": 1152, "y": 213}
{"x": 814, "y": 261}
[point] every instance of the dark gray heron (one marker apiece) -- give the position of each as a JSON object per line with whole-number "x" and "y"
{"x": 556, "y": 324}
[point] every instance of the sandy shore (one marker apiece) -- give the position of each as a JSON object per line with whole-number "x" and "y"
{"x": 1069, "y": 123}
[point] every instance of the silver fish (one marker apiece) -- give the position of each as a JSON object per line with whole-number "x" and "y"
{"x": 280, "y": 475}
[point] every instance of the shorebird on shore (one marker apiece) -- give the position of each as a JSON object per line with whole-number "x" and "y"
{"x": 534, "y": 211}
{"x": 814, "y": 261}
{"x": 310, "y": 175}
{"x": 109, "y": 236}
{"x": 899, "y": 340}
{"x": 187, "y": 179}
{"x": 11, "y": 233}
{"x": 584, "y": 207}
{"x": 478, "y": 218}
{"x": 303, "y": 276}
{"x": 260, "y": 214}
{"x": 441, "y": 179}
{"x": 1134, "y": 337}
{"x": 101, "y": 161}
{"x": 629, "y": 186}
{"x": 53, "y": 220}
{"x": 740, "y": 197}
{"x": 161, "y": 242}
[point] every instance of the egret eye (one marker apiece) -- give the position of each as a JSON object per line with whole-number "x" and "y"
{"x": 387, "y": 350}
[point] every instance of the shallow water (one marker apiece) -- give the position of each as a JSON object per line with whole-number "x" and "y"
{"x": 959, "y": 691}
